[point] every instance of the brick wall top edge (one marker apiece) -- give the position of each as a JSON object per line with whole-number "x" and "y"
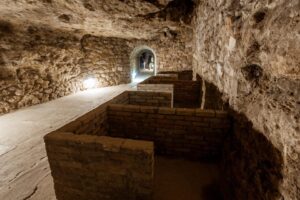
{"x": 221, "y": 113}
{"x": 150, "y": 93}
{"x": 173, "y": 81}
{"x": 155, "y": 85}
{"x": 178, "y": 111}
{"x": 127, "y": 107}
{"x": 108, "y": 143}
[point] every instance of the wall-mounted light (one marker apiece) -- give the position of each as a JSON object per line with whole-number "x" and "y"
{"x": 89, "y": 83}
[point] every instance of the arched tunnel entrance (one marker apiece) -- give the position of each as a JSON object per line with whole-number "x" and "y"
{"x": 143, "y": 62}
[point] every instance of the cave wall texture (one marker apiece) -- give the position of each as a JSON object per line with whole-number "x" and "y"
{"x": 250, "y": 51}
{"x": 38, "y": 64}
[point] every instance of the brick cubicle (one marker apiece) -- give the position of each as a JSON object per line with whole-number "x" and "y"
{"x": 190, "y": 133}
{"x": 94, "y": 122}
{"x": 87, "y": 164}
{"x": 186, "y": 93}
{"x": 100, "y": 167}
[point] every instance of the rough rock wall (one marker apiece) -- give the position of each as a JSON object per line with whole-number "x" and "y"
{"x": 174, "y": 56}
{"x": 251, "y": 165}
{"x": 250, "y": 51}
{"x": 39, "y": 65}
{"x": 42, "y": 65}
{"x": 173, "y": 50}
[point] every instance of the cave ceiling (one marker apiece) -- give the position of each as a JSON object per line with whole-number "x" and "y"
{"x": 140, "y": 19}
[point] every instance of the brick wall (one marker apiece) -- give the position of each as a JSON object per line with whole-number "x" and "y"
{"x": 143, "y": 98}
{"x": 165, "y": 88}
{"x": 174, "y": 75}
{"x": 186, "y": 93}
{"x": 156, "y": 87}
{"x": 95, "y": 121}
{"x": 182, "y": 75}
{"x": 190, "y": 133}
{"x": 100, "y": 167}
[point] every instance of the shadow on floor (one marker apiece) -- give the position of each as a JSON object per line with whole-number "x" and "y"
{"x": 178, "y": 179}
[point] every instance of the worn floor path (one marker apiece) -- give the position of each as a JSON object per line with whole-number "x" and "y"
{"x": 24, "y": 168}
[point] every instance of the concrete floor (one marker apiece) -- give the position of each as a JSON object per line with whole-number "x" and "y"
{"x": 178, "y": 179}
{"x": 24, "y": 169}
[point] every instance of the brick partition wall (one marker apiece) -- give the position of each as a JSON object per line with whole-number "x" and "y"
{"x": 186, "y": 94}
{"x": 156, "y": 87}
{"x": 182, "y": 75}
{"x": 143, "y": 98}
{"x": 99, "y": 167}
{"x": 95, "y": 121}
{"x": 190, "y": 133}
{"x": 165, "y": 88}
{"x": 174, "y": 75}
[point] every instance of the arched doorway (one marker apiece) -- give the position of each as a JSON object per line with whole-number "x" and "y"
{"x": 143, "y": 62}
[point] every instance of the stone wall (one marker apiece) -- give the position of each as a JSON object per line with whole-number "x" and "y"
{"x": 42, "y": 65}
{"x": 249, "y": 50}
{"x": 188, "y": 133}
{"x": 251, "y": 165}
{"x": 38, "y": 65}
{"x": 173, "y": 52}
{"x": 100, "y": 167}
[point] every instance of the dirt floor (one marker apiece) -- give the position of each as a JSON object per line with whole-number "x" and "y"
{"x": 178, "y": 179}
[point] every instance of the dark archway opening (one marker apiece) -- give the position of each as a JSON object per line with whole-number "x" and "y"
{"x": 146, "y": 62}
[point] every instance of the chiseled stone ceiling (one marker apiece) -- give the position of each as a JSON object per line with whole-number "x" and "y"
{"x": 141, "y": 19}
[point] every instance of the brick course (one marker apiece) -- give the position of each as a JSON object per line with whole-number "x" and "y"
{"x": 190, "y": 133}
{"x": 182, "y": 75}
{"x": 87, "y": 163}
{"x": 161, "y": 99}
{"x": 100, "y": 167}
{"x": 185, "y": 93}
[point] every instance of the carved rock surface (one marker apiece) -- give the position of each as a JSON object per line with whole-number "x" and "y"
{"x": 250, "y": 51}
{"x": 43, "y": 64}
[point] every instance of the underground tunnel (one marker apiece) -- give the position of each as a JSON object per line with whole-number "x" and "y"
{"x": 149, "y": 100}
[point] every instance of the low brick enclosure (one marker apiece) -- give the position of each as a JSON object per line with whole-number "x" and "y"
{"x": 108, "y": 153}
{"x": 182, "y": 75}
{"x": 143, "y": 98}
{"x": 187, "y": 133}
{"x": 100, "y": 167}
{"x": 186, "y": 93}
{"x": 95, "y": 121}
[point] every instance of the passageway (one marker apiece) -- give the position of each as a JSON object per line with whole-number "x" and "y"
{"x": 225, "y": 85}
{"x": 24, "y": 167}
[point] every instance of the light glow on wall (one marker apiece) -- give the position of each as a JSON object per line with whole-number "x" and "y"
{"x": 133, "y": 74}
{"x": 90, "y": 83}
